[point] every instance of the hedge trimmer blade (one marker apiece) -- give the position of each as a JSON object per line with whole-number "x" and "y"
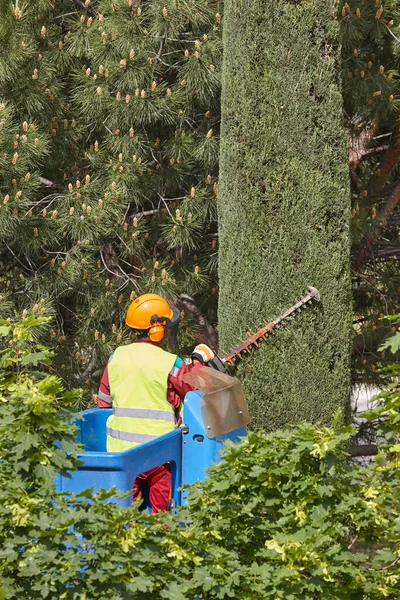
{"x": 253, "y": 340}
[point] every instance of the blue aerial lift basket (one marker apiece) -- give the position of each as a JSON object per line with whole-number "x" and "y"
{"x": 216, "y": 411}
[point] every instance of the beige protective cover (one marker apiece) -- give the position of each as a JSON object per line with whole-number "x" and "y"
{"x": 223, "y": 406}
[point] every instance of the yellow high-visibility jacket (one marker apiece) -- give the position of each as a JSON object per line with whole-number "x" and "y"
{"x": 138, "y": 376}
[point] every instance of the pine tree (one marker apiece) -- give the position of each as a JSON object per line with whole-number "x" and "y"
{"x": 370, "y": 61}
{"x": 284, "y": 207}
{"x": 108, "y": 168}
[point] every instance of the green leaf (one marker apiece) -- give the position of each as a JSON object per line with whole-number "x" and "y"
{"x": 34, "y": 358}
{"x": 392, "y": 343}
{"x": 28, "y": 440}
{"x": 338, "y": 417}
{"x": 33, "y": 321}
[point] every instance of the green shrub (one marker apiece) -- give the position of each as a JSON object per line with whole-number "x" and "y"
{"x": 286, "y": 515}
{"x": 53, "y": 545}
{"x": 284, "y": 206}
{"x": 290, "y": 515}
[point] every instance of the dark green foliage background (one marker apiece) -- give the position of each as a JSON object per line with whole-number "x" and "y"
{"x": 109, "y": 129}
{"x": 284, "y": 206}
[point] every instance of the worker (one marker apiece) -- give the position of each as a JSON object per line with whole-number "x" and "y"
{"x": 142, "y": 384}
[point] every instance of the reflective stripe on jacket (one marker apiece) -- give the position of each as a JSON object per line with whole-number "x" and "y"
{"x": 138, "y": 376}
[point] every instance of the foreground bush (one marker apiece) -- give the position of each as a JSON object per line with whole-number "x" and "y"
{"x": 284, "y": 515}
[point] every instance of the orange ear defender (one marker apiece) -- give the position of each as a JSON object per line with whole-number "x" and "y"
{"x": 152, "y": 312}
{"x": 157, "y": 329}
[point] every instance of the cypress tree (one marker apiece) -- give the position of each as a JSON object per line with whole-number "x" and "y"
{"x": 284, "y": 206}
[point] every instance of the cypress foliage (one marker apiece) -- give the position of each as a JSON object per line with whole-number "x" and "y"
{"x": 284, "y": 206}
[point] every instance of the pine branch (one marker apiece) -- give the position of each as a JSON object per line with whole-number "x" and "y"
{"x": 87, "y": 9}
{"x": 74, "y": 236}
{"x": 162, "y": 44}
{"x": 375, "y": 150}
{"x": 87, "y": 373}
{"x": 111, "y": 263}
{"x": 386, "y": 248}
{"x": 359, "y": 144}
{"x": 390, "y": 252}
{"x": 387, "y": 165}
{"x": 145, "y": 213}
{"x": 208, "y": 334}
{"x": 46, "y": 182}
{"x": 358, "y": 156}
{"x": 365, "y": 247}
{"x": 109, "y": 259}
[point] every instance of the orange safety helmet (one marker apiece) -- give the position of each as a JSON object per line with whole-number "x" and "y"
{"x": 152, "y": 312}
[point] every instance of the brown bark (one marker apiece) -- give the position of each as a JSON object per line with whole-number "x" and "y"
{"x": 359, "y": 144}
{"x": 364, "y": 450}
{"x": 387, "y": 165}
{"x": 110, "y": 259}
{"x": 376, "y": 184}
{"x": 365, "y": 247}
{"x": 359, "y": 149}
{"x": 208, "y": 334}
{"x": 88, "y": 8}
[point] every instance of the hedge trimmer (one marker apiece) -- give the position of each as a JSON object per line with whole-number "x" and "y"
{"x": 252, "y": 341}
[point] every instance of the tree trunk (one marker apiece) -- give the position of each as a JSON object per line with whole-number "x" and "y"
{"x": 364, "y": 250}
{"x": 284, "y": 206}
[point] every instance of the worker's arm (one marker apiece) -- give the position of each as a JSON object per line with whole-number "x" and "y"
{"x": 177, "y": 389}
{"x": 104, "y": 399}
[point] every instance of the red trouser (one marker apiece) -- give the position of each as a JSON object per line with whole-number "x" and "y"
{"x": 159, "y": 483}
